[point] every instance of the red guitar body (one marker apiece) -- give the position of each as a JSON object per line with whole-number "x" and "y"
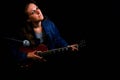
{"x": 40, "y": 47}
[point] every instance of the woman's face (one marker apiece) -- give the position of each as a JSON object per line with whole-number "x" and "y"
{"x": 34, "y": 13}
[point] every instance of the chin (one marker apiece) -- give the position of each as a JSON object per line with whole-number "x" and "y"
{"x": 41, "y": 18}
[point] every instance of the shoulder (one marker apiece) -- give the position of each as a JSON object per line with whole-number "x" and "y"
{"x": 47, "y": 21}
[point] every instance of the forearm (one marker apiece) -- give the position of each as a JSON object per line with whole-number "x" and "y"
{"x": 61, "y": 42}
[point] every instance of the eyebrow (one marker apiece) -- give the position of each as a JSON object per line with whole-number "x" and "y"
{"x": 34, "y": 10}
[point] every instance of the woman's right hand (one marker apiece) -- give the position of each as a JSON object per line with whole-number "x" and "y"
{"x": 32, "y": 55}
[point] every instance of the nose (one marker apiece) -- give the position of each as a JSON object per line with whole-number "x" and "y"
{"x": 38, "y": 11}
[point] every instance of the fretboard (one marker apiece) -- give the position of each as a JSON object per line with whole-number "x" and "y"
{"x": 53, "y": 51}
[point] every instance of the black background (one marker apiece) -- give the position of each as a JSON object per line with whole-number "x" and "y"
{"x": 72, "y": 18}
{"x": 115, "y": 8}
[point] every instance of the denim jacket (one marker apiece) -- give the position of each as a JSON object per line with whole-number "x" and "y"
{"x": 54, "y": 39}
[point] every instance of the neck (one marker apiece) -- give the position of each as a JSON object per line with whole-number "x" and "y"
{"x": 37, "y": 27}
{"x": 37, "y": 24}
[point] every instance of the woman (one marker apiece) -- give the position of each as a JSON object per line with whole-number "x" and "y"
{"x": 39, "y": 30}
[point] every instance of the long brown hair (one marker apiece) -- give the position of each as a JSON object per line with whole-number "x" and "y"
{"x": 27, "y": 29}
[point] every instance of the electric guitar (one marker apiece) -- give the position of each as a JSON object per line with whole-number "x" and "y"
{"x": 43, "y": 51}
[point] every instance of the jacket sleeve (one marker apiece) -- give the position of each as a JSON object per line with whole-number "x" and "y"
{"x": 59, "y": 41}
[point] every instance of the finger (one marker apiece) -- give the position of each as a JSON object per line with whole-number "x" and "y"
{"x": 36, "y": 56}
{"x": 34, "y": 51}
{"x": 40, "y": 58}
{"x": 74, "y": 48}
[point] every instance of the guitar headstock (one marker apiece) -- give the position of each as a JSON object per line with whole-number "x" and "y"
{"x": 82, "y": 43}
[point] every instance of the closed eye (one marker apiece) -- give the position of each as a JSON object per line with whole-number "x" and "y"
{"x": 33, "y": 11}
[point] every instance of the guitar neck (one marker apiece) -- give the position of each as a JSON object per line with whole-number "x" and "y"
{"x": 53, "y": 51}
{"x": 60, "y": 50}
